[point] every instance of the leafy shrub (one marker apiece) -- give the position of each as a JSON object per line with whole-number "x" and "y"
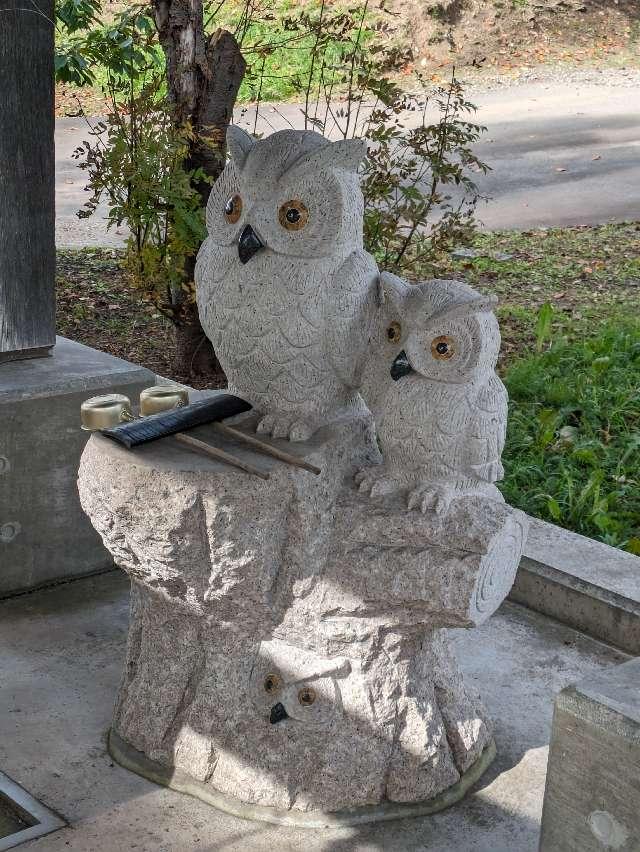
{"x": 573, "y": 441}
{"x": 136, "y": 160}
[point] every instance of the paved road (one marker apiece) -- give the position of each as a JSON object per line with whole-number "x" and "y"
{"x": 562, "y": 154}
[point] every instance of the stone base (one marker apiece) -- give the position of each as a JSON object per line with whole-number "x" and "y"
{"x": 44, "y": 534}
{"x": 586, "y": 584}
{"x": 176, "y": 779}
{"x": 288, "y": 642}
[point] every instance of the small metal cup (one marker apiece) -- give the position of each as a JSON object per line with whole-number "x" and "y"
{"x": 104, "y": 412}
{"x": 162, "y": 398}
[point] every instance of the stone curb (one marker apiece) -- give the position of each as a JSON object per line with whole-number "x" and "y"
{"x": 588, "y": 585}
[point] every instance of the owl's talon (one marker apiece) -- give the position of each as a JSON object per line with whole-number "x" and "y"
{"x": 285, "y": 427}
{"x": 380, "y": 487}
{"x": 442, "y": 505}
{"x": 280, "y": 429}
{"x": 265, "y": 425}
{"x": 429, "y": 498}
{"x": 376, "y": 482}
{"x": 300, "y": 431}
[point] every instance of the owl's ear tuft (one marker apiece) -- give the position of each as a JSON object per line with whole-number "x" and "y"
{"x": 348, "y": 153}
{"x": 344, "y": 154}
{"x": 478, "y": 305}
{"x": 239, "y": 143}
{"x": 394, "y": 290}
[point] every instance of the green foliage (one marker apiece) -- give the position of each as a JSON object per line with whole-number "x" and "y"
{"x": 136, "y": 162}
{"x": 409, "y": 215}
{"x": 573, "y": 440}
{"x": 135, "y": 158}
{"x": 109, "y": 54}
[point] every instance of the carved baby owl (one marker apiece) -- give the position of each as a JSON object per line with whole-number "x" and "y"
{"x": 289, "y": 683}
{"x": 439, "y": 407}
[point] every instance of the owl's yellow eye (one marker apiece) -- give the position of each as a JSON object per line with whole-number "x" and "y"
{"x": 293, "y": 215}
{"x": 272, "y": 683}
{"x": 233, "y": 209}
{"x": 442, "y": 348}
{"x": 306, "y": 696}
{"x": 394, "y": 332}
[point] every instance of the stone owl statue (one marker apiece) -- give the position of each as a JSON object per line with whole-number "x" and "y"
{"x": 285, "y": 291}
{"x": 439, "y": 407}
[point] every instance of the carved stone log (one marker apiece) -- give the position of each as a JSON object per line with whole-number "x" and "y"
{"x": 288, "y": 656}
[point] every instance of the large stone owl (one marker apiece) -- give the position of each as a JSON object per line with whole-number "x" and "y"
{"x": 285, "y": 290}
{"x": 439, "y": 407}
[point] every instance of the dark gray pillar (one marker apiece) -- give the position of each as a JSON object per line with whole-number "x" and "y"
{"x": 27, "y": 187}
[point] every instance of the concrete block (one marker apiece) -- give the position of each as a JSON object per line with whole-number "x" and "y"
{"x": 592, "y": 795}
{"x": 44, "y": 534}
{"x": 581, "y": 582}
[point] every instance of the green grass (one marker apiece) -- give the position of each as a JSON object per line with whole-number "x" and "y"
{"x": 278, "y": 48}
{"x": 588, "y": 275}
{"x": 573, "y": 442}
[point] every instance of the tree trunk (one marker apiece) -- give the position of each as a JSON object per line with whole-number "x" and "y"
{"x": 27, "y": 233}
{"x": 203, "y": 78}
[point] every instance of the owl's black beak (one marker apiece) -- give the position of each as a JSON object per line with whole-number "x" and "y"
{"x": 248, "y": 244}
{"x": 278, "y": 713}
{"x": 401, "y": 366}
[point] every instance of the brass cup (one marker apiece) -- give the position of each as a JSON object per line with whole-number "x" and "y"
{"x": 162, "y": 398}
{"x": 104, "y": 412}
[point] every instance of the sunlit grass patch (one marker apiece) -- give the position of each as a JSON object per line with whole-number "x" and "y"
{"x": 573, "y": 441}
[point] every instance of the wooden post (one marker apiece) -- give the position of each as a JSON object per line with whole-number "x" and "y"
{"x": 27, "y": 183}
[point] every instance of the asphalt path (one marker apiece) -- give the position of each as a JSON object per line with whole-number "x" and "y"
{"x": 561, "y": 153}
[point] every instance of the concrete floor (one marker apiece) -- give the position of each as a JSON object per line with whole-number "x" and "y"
{"x": 61, "y": 653}
{"x": 561, "y": 153}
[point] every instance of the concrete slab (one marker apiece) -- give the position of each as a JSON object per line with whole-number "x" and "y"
{"x": 61, "y": 653}
{"x": 581, "y": 582}
{"x": 592, "y": 798}
{"x": 44, "y": 534}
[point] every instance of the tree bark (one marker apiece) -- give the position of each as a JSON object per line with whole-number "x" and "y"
{"x": 203, "y": 78}
{"x": 27, "y": 203}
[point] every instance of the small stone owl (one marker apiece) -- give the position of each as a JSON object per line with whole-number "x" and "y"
{"x": 296, "y": 684}
{"x": 285, "y": 290}
{"x": 439, "y": 407}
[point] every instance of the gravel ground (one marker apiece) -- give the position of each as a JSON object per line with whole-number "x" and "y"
{"x": 485, "y": 81}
